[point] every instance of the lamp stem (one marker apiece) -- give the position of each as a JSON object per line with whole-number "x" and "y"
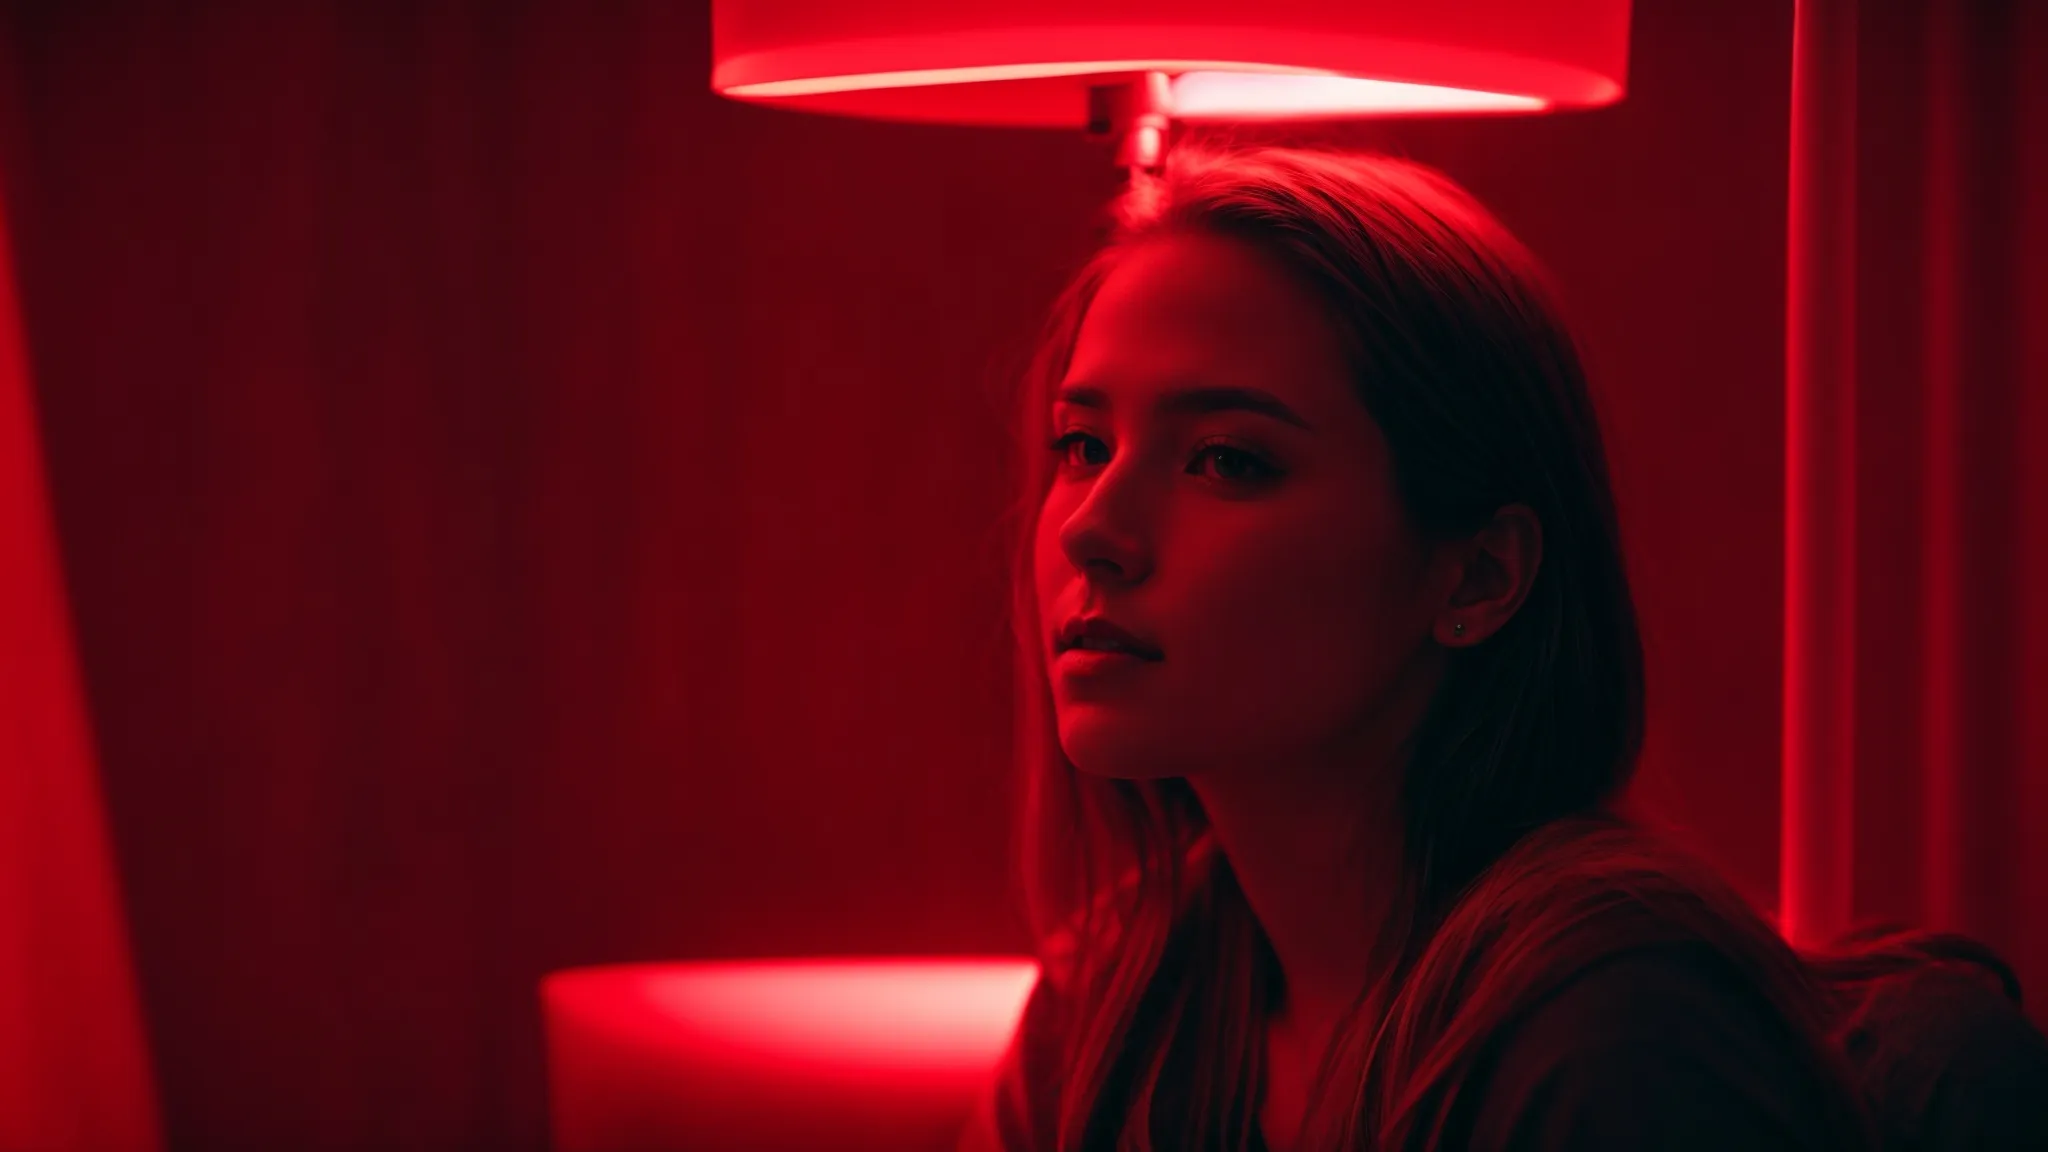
{"x": 1138, "y": 114}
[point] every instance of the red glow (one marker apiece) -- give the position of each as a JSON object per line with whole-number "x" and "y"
{"x": 882, "y": 1052}
{"x": 1817, "y": 860}
{"x": 1030, "y": 63}
{"x": 873, "y": 1013}
{"x": 1203, "y": 90}
{"x": 74, "y": 1064}
{"x": 1238, "y": 96}
{"x": 983, "y": 74}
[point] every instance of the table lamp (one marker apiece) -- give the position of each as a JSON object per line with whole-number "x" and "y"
{"x": 844, "y": 1053}
{"x": 1127, "y": 70}
{"x": 889, "y": 1053}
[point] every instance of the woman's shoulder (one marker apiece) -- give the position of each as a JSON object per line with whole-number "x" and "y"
{"x": 1580, "y": 890}
{"x": 1588, "y": 914}
{"x": 1596, "y": 853}
{"x": 1601, "y": 987}
{"x": 1665, "y": 1046}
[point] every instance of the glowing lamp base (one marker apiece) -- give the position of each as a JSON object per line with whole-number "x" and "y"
{"x": 848, "y": 1053}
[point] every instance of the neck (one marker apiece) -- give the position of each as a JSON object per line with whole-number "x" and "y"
{"x": 1315, "y": 842}
{"x": 1317, "y": 854}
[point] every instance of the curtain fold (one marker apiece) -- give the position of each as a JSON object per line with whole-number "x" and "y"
{"x": 74, "y": 1064}
{"x": 1935, "y": 186}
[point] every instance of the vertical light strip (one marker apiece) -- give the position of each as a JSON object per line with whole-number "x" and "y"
{"x": 1942, "y": 752}
{"x": 1817, "y": 845}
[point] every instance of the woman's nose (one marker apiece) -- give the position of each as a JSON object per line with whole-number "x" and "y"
{"x": 1104, "y": 540}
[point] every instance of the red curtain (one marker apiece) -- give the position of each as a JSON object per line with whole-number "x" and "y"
{"x": 513, "y": 523}
{"x": 1923, "y": 249}
{"x": 521, "y": 511}
{"x": 74, "y": 1070}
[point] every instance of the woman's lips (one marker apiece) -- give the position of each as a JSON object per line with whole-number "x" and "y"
{"x": 1091, "y": 663}
{"x": 1101, "y": 633}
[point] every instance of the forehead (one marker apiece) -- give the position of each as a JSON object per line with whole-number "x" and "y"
{"x": 1215, "y": 311}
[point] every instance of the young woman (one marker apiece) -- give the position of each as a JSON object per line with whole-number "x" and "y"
{"x": 1331, "y": 681}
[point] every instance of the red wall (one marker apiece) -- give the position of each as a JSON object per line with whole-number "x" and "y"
{"x": 523, "y": 511}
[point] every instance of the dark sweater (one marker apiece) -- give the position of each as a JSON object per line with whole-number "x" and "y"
{"x": 1661, "y": 1048}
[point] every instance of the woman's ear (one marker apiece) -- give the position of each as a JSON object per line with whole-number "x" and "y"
{"x": 1495, "y": 569}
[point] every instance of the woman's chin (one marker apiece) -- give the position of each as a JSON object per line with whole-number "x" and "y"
{"x": 1123, "y": 773}
{"x": 1117, "y": 755}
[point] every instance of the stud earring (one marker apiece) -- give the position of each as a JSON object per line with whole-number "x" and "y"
{"x": 1457, "y": 629}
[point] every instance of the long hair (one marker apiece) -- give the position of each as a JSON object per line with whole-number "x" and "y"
{"x": 1459, "y": 353}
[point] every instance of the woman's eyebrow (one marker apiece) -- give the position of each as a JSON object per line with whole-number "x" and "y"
{"x": 1192, "y": 401}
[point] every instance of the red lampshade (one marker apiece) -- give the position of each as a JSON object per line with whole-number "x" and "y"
{"x": 1031, "y": 62}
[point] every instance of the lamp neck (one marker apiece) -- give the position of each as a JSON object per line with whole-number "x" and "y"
{"x": 1137, "y": 113}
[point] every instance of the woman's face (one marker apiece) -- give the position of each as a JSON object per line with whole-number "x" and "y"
{"x": 1264, "y": 555}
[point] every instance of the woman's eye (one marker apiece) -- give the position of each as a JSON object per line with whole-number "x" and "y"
{"x": 1064, "y": 446}
{"x": 1238, "y": 466}
{"x": 1233, "y": 465}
